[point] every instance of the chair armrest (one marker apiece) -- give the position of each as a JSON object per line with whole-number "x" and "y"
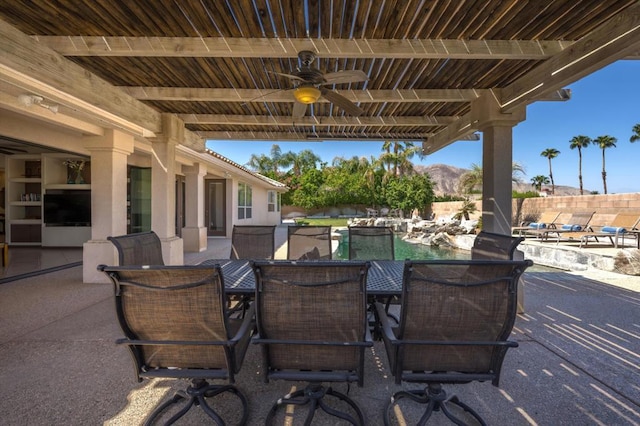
{"x": 385, "y": 324}
{"x": 247, "y": 324}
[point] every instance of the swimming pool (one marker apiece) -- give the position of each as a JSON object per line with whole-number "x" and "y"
{"x": 404, "y": 250}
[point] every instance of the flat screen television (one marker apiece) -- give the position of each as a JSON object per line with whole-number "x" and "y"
{"x": 67, "y": 208}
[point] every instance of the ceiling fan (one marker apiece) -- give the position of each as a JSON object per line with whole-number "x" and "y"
{"x": 308, "y": 85}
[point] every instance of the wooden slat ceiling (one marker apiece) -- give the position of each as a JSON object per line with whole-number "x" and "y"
{"x": 214, "y": 63}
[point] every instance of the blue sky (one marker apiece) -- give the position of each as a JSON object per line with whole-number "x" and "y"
{"x": 604, "y": 103}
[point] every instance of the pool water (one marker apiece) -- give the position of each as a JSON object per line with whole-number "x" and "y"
{"x": 404, "y": 250}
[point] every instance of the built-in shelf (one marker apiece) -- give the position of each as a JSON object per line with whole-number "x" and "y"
{"x": 26, "y": 203}
{"x": 27, "y": 221}
{"x": 68, "y": 186}
{"x": 30, "y": 177}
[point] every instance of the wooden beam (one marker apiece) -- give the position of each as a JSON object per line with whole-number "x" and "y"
{"x": 289, "y": 48}
{"x": 311, "y": 137}
{"x": 36, "y": 68}
{"x": 616, "y": 39}
{"x": 461, "y": 129}
{"x": 204, "y": 94}
{"x": 265, "y": 120}
{"x": 258, "y": 95}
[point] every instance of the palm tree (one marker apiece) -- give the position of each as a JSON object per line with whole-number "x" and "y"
{"x": 551, "y": 153}
{"x": 636, "y": 133}
{"x": 605, "y": 142}
{"x": 538, "y": 181}
{"x": 400, "y": 158}
{"x": 473, "y": 178}
{"x": 260, "y": 163}
{"x": 579, "y": 142}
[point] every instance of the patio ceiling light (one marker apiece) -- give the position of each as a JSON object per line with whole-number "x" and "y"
{"x": 28, "y": 100}
{"x": 306, "y": 94}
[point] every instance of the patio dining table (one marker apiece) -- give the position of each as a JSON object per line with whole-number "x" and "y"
{"x": 384, "y": 277}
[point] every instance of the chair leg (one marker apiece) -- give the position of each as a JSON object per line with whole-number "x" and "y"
{"x": 313, "y": 395}
{"x": 196, "y": 394}
{"x": 436, "y": 399}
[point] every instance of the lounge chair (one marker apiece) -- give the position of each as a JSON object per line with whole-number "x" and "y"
{"x": 615, "y": 230}
{"x": 578, "y": 222}
{"x": 547, "y": 220}
{"x": 598, "y": 221}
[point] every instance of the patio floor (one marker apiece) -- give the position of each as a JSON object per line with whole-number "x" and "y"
{"x": 578, "y": 361}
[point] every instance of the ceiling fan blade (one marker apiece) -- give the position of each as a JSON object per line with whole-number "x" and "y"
{"x": 299, "y": 109}
{"x": 349, "y": 76}
{"x": 342, "y": 102}
{"x": 289, "y": 76}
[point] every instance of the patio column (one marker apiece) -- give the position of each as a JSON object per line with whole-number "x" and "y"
{"x": 108, "y": 200}
{"x": 497, "y": 159}
{"x": 163, "y": 192}
{"x": 496, "y": 179}
{"x": 194, "y": 234}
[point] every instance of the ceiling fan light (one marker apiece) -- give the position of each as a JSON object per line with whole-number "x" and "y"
{"x": 306, "y": 94}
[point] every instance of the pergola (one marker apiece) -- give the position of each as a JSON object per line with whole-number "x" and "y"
{"x": 437, "y": 71}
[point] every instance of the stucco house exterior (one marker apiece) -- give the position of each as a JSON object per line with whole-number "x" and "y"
{"x": 133, "y": 184}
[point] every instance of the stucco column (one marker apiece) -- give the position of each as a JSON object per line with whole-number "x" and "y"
{"x": 108, "y": 200}
{"x": 163, "y": 188}
{"x": 194, "y": 234}
{"x": 496, "y": 179}
{"x": 497, "y": 160}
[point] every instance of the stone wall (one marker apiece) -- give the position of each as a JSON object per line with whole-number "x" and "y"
{"x": 531, "y": 208}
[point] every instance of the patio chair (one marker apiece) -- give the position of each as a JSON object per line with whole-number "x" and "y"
{"x": 176, "y": 326}
{"x": 488, "y": 245}
{"x": 455, "y": 319}
{"x": 312, "y": 327}
{"x": 614, "y": 231}
{"x": 371, "y": 243}
{"x": 142, "y": 248}
{"x": 309, "y": 242}
{"x": 372, "y": 212}
{"x": 547, "y": 220}
{"x": 578, "y": 222}
{"x": 253, "y": 242}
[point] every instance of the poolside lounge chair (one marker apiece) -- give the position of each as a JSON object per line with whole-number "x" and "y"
{"x": 598, "y": 220}
{"x": 547, "y": 220}
{"x": 578, "y": 222}
{"x": 614, "y": 231}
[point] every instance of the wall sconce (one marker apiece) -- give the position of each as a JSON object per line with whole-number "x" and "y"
{"x": 28, "y": 100}
{"x": 306, "y": 94}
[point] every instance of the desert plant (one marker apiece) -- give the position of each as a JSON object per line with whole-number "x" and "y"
{"x": 465, "y": 210}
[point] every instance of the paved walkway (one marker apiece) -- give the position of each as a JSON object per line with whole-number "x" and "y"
{"x": 578, "y": 362}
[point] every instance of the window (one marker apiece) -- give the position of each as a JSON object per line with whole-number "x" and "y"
{"x": 273, "y": 201}
{"x": 244, "y": 201}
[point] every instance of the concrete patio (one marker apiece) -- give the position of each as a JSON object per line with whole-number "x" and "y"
{"x": 578, "y": 361}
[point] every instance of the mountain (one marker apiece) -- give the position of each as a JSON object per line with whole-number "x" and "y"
{"x": 446, "y": 180}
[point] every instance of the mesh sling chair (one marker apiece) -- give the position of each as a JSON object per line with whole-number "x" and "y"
{"x": 455, "y": 319}
{"x": 253, "y": 242}
{"x": 312, "y": 327}
{"x": 142, "y": 248}
{"x": 176, "y": 326}
{"x": 371, "y": 243}
{"x": 309, "y": 243}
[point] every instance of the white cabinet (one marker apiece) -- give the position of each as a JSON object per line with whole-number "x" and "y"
{"x": 29, "y": 179}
